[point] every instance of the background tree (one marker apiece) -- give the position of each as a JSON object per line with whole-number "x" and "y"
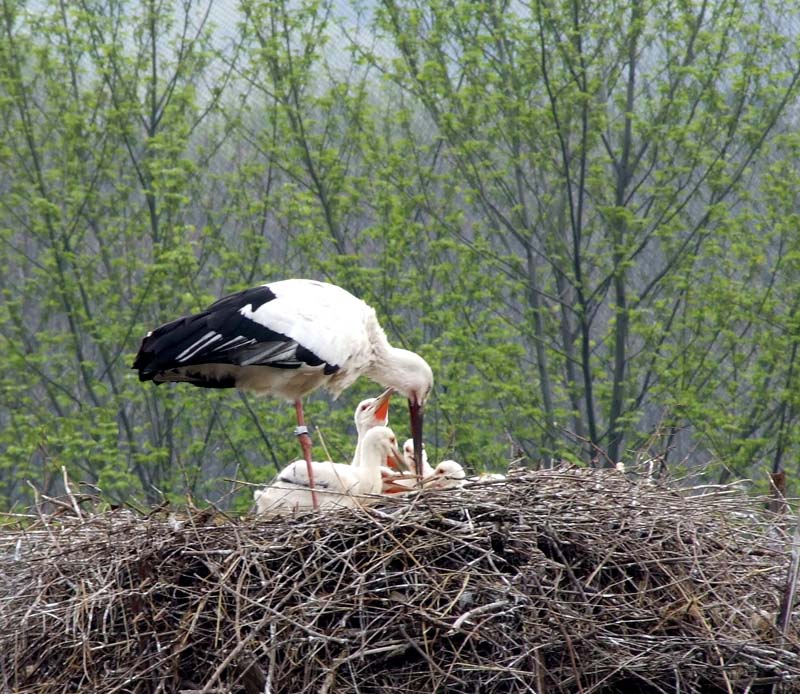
{"x": 581, "y": 213}
{"x": 608, "y": 154}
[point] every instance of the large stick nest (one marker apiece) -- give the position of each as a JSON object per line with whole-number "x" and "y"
{"x": 559, "y": 581}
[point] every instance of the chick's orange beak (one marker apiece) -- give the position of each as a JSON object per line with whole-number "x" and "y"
{"x": 381, "y": 405}
{"x": 388, "y": 485}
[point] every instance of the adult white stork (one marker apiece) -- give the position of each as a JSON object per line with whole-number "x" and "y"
{"x": 337, "y": 484}
{"x": 286, "y": 338}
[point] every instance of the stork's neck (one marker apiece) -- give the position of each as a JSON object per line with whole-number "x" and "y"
{"x": 356, "y": 462}
{"x": 372, "y": 457}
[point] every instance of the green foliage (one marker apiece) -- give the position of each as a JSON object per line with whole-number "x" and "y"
{"x": 582, "y": 214}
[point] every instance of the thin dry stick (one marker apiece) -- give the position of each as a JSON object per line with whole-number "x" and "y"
{"x": 324, "y": 445}
{"x": 68, "y": 490}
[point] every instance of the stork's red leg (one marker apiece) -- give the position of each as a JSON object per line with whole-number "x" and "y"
{"x": 305, "y": 444}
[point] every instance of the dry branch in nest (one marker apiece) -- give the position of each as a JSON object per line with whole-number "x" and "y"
{"x": 558, "y": 581}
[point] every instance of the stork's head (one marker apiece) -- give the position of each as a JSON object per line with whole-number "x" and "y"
{"x": 410, "y": 376}
{"x": 408, "y": 454}
{"x": 380, "y": 446}
{"x": 373, "y": 412}
{"x": 446, "y": 475}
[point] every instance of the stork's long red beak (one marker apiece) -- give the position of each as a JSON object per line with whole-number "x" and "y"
{"x": 415, "y": 412}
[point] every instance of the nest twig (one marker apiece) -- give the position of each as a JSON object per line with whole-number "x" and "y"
{"x": 556, "y": 581}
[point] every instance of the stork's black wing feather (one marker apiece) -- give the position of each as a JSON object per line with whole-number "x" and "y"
{"x": 221, "y": 334}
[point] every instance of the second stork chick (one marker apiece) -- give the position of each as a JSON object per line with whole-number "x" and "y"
{"x": 335, "y": 484}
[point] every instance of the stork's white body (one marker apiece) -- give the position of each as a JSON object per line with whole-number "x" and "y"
{"x": 335, "y": 484}
{"x": 284, "y": 338}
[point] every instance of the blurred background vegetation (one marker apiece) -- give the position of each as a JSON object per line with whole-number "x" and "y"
{"x": 583, "y": 213}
